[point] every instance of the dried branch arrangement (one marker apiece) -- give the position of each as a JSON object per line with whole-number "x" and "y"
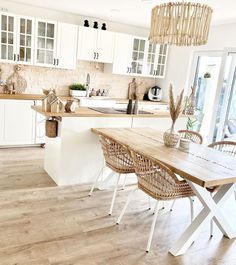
{"x": 175, "y": 107}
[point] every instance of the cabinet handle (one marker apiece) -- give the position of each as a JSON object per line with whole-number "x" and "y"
{"x": 127, "y": 70}
{"x": 18, "y": 58}
{"x": 97, "y": 55}
{"x": 94, "y": 55}
{"x": 130, "y": 70}
{"x": 54, "y": 61}
{"x": 57, "y": 61}
{"x": 14, "y": 57}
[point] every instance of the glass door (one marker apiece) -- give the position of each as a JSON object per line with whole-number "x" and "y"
{"x": 161, "y": 63}
{"x": 45, "y": 43}
{"x": 225, "y": 125}
{"x": 25, "y": 43}
{"x": 8, "y": 38}
{"x": 151, "y": 58}
{"x": 207, "y": 70}
{"x": 138, "y": 52}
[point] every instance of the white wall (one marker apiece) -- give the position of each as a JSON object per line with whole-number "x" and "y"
{"x": 28, "y": 10}
{"x": 180, "y": 58}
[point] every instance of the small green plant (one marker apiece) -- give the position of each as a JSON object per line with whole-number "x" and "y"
{"x": 77, "y": 87}
{"x": 191, "y": 123}
{"x": 207, "y": 75}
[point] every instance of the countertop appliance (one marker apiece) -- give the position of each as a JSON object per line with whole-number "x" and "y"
{"x": 155, "y": 93}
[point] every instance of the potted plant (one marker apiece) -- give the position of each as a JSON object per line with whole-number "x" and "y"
{"x": 171, "y": 137}
{"x": 207, "y": 77}
{"x": 78, "y": 90}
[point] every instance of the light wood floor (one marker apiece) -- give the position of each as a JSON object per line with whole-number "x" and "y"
{"x": 41, "y": 224}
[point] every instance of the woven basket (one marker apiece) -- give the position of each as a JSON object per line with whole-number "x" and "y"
{"x": 51, "y": 128}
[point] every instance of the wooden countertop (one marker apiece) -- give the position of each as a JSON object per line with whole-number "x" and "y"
{"x": 202, "y": 165}
{"x": 86, "y": 112}
{"x": 28, "y": 96}
{"x": 41, "y": 96}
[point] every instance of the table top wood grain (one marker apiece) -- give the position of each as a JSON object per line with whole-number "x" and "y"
{"x": 202, "y": 165}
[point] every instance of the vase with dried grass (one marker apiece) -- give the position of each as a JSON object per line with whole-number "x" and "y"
{"x": 171, "y": 137}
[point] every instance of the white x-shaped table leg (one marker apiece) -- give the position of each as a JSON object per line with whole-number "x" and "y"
{"x": 211, "y": 209}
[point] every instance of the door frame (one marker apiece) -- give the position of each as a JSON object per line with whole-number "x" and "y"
{"x": 220, "y": 82}
{"x": 228, "y": 93}
{"x": 195, "y": 57}
{"x": 211, "y": 53}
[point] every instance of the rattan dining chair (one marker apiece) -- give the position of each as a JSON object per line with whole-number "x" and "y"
{"x": 118, "y": 159}
{"x": 158, "y": 182}
{"x": 228, "y": 147}
{"x": 195, "y": 137}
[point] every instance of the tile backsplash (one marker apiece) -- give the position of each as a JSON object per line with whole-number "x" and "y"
{"x": 41, "y": 77}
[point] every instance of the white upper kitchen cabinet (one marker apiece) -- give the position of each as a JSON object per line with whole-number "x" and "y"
{"x": 137, "y": 57}
{"x": 95, "y": 45}
{"x": 56, "y": 44}
{"x": 45, "y": 43}
{"x": 122, "y": 54}
{"x": 17, "y": 39}
{"x": 8, "y": 37}
{"x": 156, "y": 60}
{"x": 105, "y": 46}
{"x": 66, "y": 45}
{"x": 130, "y": 55}
{"x": 25, "y": 40}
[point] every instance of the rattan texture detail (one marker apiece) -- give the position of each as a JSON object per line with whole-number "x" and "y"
{"x": 194, "y": 137}
{"x": 117, "y": 156}
{"x": 157, "y": 180}
{"x": 228, "y": 147}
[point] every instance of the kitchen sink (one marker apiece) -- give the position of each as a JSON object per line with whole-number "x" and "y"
{"x": 117, "y": 111}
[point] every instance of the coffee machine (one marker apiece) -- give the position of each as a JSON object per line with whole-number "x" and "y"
{"x": 155, "y": 93}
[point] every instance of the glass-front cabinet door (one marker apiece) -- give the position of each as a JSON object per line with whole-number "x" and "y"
{"x": 152, "y": 55}
{"x": 45, "y": 43}
{"x": 161, "y": 61}
{"x": 25, "y": 40}
{"x": 138, "y": 54}
{"x": 8, "y": 37}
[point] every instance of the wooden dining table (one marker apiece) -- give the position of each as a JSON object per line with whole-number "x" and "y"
{"x": 202, "y": 167}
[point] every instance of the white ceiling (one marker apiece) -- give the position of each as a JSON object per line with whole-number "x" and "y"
{"x": 133, "y": 12}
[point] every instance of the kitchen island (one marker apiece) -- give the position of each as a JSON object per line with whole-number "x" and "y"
{"x": 75, "y": 156}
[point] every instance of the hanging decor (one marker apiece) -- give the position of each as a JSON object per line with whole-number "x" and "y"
{"x": 180, "y": 23}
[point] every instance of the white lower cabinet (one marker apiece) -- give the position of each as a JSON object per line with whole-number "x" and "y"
{"x": 1, "y": 121}
{"x": 17, "y": 122}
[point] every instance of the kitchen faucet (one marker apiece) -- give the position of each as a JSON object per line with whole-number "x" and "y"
{"x": 87, "y": 85}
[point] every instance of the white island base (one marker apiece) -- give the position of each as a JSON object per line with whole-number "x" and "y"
{"x": 75, "y": 156}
